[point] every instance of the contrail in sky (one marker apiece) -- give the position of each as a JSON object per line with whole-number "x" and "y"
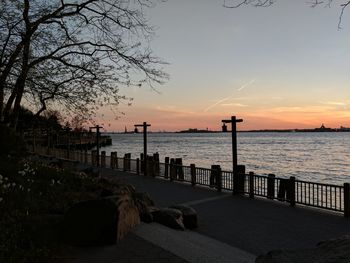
{"x": 231, "y": 96}
{"x": 246, "y": 85}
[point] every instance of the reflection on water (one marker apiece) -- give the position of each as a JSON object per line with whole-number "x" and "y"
{"x": 321, "y": 157}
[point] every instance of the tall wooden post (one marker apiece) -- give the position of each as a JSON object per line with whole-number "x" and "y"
{"x": 235, "y": 167}
{"x": 233, "y": 122}
{"x": 144, "y": 125}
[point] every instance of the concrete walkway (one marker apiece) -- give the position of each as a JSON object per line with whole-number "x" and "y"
{"x": 231, "y": 228}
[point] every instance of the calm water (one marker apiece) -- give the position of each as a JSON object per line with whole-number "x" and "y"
{"x": 320, "y": 157}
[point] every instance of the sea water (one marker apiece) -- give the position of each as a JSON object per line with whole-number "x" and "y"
{"x": 314, "y": 156}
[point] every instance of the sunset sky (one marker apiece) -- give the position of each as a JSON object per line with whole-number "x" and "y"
{"x": 286, "y": 66}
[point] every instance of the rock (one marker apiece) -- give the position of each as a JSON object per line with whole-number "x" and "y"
{"x": 143, "y": 201}
{"x": 189, "y": 216}
{"x": 169, "y": 217}
{"x": 108, "y": 188}
{"x": 334, "y": 250}
{"x": 100, "y": 222}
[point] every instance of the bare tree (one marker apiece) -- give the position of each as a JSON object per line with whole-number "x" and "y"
{"x": 74, "y": 52}
{"x": 265, "y": 3}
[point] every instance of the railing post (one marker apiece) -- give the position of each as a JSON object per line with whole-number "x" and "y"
{"x": 138, "y": 166}
{"x": 112, "y": 161}
{"x": 103, "y": 159}
{"x": 124, "y": 163}
{"x": 271, "y": 186}
{"x": 166, "y": 168}
{"x": 128, "y": 161}
{"x": 219, "y": 179}
{"x": 156, "y": 164}
{"x": 172, "y": 169}
{"x": 291, "y": 190}
{"x": 193, "y": 174}
{"x": 346, "y": 199}
{"x": 116, "y": 163}
{"x": 251, "y": 184}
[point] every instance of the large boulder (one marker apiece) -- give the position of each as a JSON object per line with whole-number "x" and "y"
{"x": 107, "y": 188}
{"x": 334, "y": 250}
{"x": 189, "y": 216}
{"x": 169, "y": 217}
{"x": 100, "y": 222}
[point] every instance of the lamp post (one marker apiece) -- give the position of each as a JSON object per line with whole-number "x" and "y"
{"x": 233, "y": 122}
{"x": 144, "y": 125}
{"x": 97, "y": 127}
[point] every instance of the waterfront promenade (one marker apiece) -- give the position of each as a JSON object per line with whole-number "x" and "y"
{"x": 242, "y": 226}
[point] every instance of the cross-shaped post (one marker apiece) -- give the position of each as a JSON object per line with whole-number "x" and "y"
{"x": 97, "y": 127}
{"x": 144, "y": 125}
{"x": 233, "y": 122}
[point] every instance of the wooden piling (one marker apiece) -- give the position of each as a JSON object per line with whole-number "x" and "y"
{"x": 172, "y": 169}
{"x": 291, "y": 191}
{"x": 271, "y": 186}
{"x": 166, "y": 167}
{"x": 112, "y": 161}
{"x": 116, "y": 163}
{"x": 251, "y": 184}
{"x": 103, "y": 159}
{"x": 193, "y": 174}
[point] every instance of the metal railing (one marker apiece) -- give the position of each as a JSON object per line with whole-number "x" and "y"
{"x": 324, "y": 196}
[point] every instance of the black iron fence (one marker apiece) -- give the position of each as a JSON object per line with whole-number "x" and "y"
{"x": 290, "y": 190}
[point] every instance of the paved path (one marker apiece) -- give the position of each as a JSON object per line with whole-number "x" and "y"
{"x": 231, "y": 228}
{"x": 131, "y": 249}
{"x": 255, "y": 226}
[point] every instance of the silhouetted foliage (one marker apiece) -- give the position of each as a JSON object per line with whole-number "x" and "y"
{"x": 73, "y": 54}
{"x": 266, "y": 3}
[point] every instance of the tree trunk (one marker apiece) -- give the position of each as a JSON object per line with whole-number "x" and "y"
{"x": 8, "y": 106}
{"x": 3, "y": 76}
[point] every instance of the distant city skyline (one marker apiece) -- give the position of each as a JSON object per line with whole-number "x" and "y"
{"x": 282, "y": 67}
